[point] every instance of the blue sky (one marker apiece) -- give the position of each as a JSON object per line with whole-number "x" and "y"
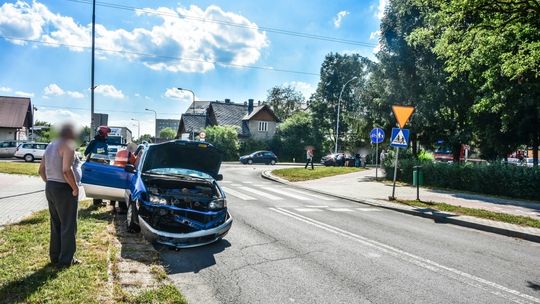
{"x": 54, "y": 69}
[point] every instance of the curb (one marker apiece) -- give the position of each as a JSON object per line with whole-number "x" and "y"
{"x": 437, "y": 216}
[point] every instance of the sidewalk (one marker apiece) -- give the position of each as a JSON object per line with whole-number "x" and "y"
{"x": 362, "y": 185}
{"x": 20, "y": 195}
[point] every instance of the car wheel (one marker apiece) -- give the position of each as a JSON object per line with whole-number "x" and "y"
{"x": 250, "y": 161}
{"x": 29, "y": 158}
{"x": 272, "y": 162}
{"x": 132, "y": 218}
{"x": 97, "y": 201}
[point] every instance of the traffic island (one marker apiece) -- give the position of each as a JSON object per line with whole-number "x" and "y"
{"x": 488, "y": 224}
{"x": 302, "y": 174}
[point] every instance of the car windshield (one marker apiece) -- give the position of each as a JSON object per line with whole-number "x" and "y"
{"x": 178, "y": 171}
{"x": 114, "y": 140}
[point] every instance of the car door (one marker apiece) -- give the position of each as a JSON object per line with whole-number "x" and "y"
{"x": 259, "y": 158}
{"x": 4, "y": 146}
{"x": 39, "y": 150}
{"x": 103, "y": 181}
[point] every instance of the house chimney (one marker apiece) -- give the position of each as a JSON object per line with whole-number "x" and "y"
{"x": 250, "y": 106}
{"x": 227, "y": 100}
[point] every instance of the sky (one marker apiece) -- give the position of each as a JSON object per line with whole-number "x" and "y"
{"x": 146, "y": 49}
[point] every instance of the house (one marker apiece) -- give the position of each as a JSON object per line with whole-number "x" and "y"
{"x": 252, "y": 122}
{"x": 16, "y": 117}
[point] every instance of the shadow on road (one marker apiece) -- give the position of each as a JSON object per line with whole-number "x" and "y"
{"x": 194, "y": 259}
{"x": 533, "y": 285}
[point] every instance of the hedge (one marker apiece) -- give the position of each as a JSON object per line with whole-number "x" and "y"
{"x": 496, "y": 179}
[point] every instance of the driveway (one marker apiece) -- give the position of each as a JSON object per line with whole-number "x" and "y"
{"x": 20, "y": 195}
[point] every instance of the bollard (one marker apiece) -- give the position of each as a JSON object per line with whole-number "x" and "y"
{"x": 418, "y": 179}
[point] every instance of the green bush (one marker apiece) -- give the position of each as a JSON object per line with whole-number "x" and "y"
{"x": 225, "y": 139}
{"x": 494, "y": 179}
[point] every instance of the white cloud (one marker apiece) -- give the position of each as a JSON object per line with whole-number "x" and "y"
{"x": 172, "y": 36}
{"x": 24, "y": 94}
{"x": 58, "y": 116}
{"x": 375, "y": 35}
{"x": 5, "y": 90}
{"x": 174, "y": 93}
{"x": 381, "y": 8}
{"x": 339, "y": 18}
{"x": 55, "y": 90}
{"x": 303, "y": 87}
{"x": 109, "y": 90}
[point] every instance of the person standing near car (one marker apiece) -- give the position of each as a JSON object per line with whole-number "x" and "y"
{"x": 309, "y": 157}
{"x": 98, "y": 145}
{"x": 61, "y": 172}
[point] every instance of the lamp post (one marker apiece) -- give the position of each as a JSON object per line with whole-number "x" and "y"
{"x": 338, "y": 111}
{"x": 193, "y": 107}
{"x": 155, "y": 121}
{"x": 138, "y": 128}
{"x": 93, "y": 86}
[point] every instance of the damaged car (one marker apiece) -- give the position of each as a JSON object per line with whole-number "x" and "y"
{"x": 171, "y": 192}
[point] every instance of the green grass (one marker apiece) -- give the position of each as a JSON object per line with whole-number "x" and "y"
{"x": 19, "y": 168}
{"x": 301, "y": 174}
{"x": 26, "y": 275}
{"x": 480, "y": 213}
{"x": 167, "y": 294}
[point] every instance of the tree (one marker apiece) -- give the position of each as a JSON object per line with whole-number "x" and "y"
{"x": 225, "y": 139}
{"x": 284, "y": 101}
{"x": 167, "y": 133}
{"x": 144, "y": 138}
{"x": 293, "y": 135}
{"x": 495, "y": 44}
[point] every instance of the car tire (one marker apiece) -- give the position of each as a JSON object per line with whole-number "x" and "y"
{"x": 272, "y": 162}
{"x": 122, "y": 205}
{"x": 250, "y": 161}
{"x": 29, "y": 158}
{"x": 132, "y": 221}
{"x": 97, "y": 201}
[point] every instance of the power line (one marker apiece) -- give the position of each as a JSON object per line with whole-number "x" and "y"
{"x": 103, "y": 110}
{"x": 228, "y": 23}
{"x": 161, "y": 56}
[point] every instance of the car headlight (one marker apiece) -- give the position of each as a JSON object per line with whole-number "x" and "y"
{"x": 219, "y": 203}
{"x": 157, "y": 200}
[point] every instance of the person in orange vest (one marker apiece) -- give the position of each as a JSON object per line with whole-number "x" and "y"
{"x": 126, "y": 156}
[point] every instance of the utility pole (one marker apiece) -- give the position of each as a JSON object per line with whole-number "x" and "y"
{"x": 93, "y": 86}
{"x": 338, "y": 111}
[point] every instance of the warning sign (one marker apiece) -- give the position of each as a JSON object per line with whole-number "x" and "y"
{"x": 399, "y": 138}
{"x": 402, "y": 114}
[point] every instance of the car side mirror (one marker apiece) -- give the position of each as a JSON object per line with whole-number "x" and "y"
{"x": 130, "y": 168}
{"x": 219, "y": 177}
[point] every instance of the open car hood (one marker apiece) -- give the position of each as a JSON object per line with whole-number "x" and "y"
{"x": 192, "y": 155}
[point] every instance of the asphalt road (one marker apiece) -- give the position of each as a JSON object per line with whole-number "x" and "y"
{"x": 287, "y": 246}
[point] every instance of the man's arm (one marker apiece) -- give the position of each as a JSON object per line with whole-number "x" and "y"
{"x": 89, "y": 148}
{"x": 42, "y": 169}
{"x": 68, "y": 153}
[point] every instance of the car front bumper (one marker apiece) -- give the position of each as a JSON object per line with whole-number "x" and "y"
{"x": 185, "y": 240}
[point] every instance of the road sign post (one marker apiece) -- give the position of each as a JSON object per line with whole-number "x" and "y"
{"x": 377, "y": 136}
{"x": 400, "y": 136}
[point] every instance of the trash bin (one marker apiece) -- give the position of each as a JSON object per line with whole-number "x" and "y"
{"x": 418, "y": 176}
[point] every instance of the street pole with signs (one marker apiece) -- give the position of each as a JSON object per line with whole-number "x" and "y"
{"x": 377, "y": 136}
{"x": 400, "y": 137}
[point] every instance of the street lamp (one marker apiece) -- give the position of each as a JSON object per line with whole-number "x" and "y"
{"x": 193, "y": 103}
{"x": 138, "y": 128}
{"x": 93, "y": 86}
{"x": 155, "y": 121}
{"x": 338, "y": 111}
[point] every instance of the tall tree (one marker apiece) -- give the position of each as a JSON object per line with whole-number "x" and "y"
{"x": 285, "y": 101}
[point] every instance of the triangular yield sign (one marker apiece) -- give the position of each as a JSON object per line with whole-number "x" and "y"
{"x": 402, "y": 113}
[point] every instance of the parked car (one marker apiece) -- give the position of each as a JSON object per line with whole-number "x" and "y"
{"x": 337, "y": 160}
{"x": 172, "y": 192}
{"x": 8, "y": 148}
{"x": 528, "y": 162}
{"x": 30, "y": 151}
{"x": 259, "y": 157}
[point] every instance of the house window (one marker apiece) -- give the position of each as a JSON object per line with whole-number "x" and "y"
{"x": 263, "y": 126}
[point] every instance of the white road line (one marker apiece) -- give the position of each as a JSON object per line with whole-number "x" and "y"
{"x": 469, "y": 279}
{"x": 282, "y": 192}
{"x": 225, "y": 182}
{"x": 237, "y": 194}
{"x": 367, "y": 209}
{"x": 307, "y": 210}
{"x": 247, "y": 182}
{"x": 267, "y": 195}
{"x": 340, "y": 209}
{"x": 236, "y": 185}
{"x": 315, "y": 206}
{"x": 324, "y": 198}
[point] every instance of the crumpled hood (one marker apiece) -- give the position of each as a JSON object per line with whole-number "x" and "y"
{"x": 192, "y": 155}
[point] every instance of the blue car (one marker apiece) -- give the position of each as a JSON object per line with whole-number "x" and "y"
{"x": 171, "y": 192}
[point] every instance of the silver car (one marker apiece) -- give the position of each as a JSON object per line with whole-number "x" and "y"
{"x": 8, "y": 148}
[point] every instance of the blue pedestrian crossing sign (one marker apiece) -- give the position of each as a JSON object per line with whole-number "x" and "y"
{"x": 377, "y": 135}
{"x": 399, "y": 138}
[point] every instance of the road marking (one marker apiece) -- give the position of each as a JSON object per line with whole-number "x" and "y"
{"x": 236, "y": 185}
{"x": 340, "y": 209}
{"x": 315, "y": 206}
{"x": 463, "y": 277}
{"x": 324, "y": 198}
{"x": 298, "y": 197}
{"x": 225, "y": 182}
{"x": 367, "y": 209}
{"x": 267, "y": 195}
{"x": 237, "y": 194}
{"x": 307, "y": 209}
{"x": 247, "y": 182}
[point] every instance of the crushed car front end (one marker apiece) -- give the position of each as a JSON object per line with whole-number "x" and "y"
{"x": 179, "y": 203}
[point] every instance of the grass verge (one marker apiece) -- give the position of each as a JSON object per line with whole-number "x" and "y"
{"x": 480, "y": 213}
{"x": 19, "y": 168}
{"x": 26, "y": 275}
{"x": 301, "y": 174}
